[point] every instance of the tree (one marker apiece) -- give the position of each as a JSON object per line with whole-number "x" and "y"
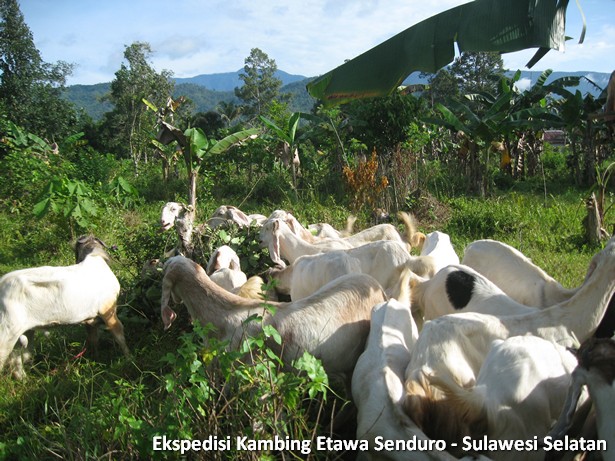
{"x": 229, "y": 111}
{"x": 478, "y": 72}
{"x": 260, "y": 85}
{"x": 442, "y": 86}
{"x": 129, "y": 123}
{"x": 30, "y": 89}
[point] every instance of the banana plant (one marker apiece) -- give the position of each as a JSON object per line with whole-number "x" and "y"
{"x": 481, "y": 25}
{"x": 288, "y": 137}
{"x": 505, "y": 114}
{"x": 198, "y": 148}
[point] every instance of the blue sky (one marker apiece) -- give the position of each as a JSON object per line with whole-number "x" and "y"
{"x": 191, "y": 37}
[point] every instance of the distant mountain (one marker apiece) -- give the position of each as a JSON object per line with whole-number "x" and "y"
{"x": 208, "y": 90}
{"x": 90, "y": 98}
{"x": 228, "y": 81}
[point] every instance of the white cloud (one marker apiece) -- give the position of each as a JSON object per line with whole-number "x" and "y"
{"x": 523, "y": 84}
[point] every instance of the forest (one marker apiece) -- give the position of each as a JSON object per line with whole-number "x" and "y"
{"x": 467, "y": 154}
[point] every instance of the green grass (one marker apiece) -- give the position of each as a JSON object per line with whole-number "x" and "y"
{"x": 109, "y": 407}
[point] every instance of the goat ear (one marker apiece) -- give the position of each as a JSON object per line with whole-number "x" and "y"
{"x": 168, "y": 316}
{"x": 234, "y": 265}
{"x": 274, "y": 247}
{"x": 239, "y": 216}
{"x": 213, "y": 262}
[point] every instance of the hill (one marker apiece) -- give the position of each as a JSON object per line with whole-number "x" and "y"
{"x": 208, "y": 90}
{"x": 228, "y": 81}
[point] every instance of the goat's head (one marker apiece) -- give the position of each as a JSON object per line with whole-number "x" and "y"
{"x": 224, "y": 256}
{"x": 170, "y": 212}
{"x": 598, "y": 354}
{"x": 269, "y": 236}
{"x": 88, "y": 244}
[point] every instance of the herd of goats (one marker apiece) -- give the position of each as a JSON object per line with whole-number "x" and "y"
{"x": 488, "y": 357}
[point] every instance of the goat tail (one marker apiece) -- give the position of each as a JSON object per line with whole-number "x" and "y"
{"x": 253, "y": 288}
{"x": 413, "y": 237}
{"x": 349, "y": 226}
{"x": 466, "y": 405}
{"x": 402, "y": 289}
{"x": 443, "y": 408}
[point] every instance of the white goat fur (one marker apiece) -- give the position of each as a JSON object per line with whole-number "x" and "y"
{"x": 435, "y": 296}
{"x": 596, "y": 370}
{"x": 457, "y": 344}
{"x": 43, "y": 296}
{"x": 223, "y": 256}
{"x": 381, "y": 260}
{"x": 235, "y": 215}
{"x": 438, "y": 245}
{"x": 378, "y": 382}
{"x": 224, "y": 268}
{"x": 222, "y": 216}
{"x": 515, "y": 273}
{"x": 371, "y": 234}
{"x": 519, "y": 391}
{"x": 325, "y": 230}
{"x": 332, "y": 324}
{"x": 283, "y": 243}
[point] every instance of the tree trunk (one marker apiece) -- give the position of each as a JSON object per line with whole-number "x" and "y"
{"x": 592, "y": 222}
{"x": 185, "y": 225}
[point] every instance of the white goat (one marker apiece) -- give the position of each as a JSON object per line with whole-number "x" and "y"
{"x": 170, "y": 212}
{"x": 458, "y": 288}
{"x": 233, "y": 214}
{"x": 519, "y": 392}
{"x": 325, "y": 230}
{"x": 457, "y": 344}
{"x": 224, "y": 268}
{"x": 438, "y": 245}
{"x": 283, "y": 243}
{"x": 222, "y": 216}
{"x": 332, "y": 324}
{"x": 378, "y": 385}
{"x": 381, "y": 260}
{"x": 223, "y": 256}
{"x": 515, "y": 274}
{"x": 596, "y": 370}
{"x": 42, "y": 296}
{"x": 371, "y": 234}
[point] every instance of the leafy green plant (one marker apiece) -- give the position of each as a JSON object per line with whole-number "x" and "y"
{"x": 70, "y": 199}
{"x": 124, "y": 193}
{"x": 248, "y": 391}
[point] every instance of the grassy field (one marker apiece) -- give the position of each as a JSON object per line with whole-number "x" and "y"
{"x": 180, "y": 384}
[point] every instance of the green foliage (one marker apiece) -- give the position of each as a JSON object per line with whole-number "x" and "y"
{"x": 30, "y": 89}
{"x": 81, "y": 409}
{"x": 250, "y": 376}
{"x": 123, "y": 192}
{"x": 260, "y": 85}
{"x": 129, "y": 125}
{"x": 71, "y": 199}
{"x": 245, "y": 241}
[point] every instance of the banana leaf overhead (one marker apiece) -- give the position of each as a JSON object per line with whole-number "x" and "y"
{"x": 482, "y": 25}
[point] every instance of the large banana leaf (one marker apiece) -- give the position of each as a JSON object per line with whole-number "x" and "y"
{"x": 481, "y": 25}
